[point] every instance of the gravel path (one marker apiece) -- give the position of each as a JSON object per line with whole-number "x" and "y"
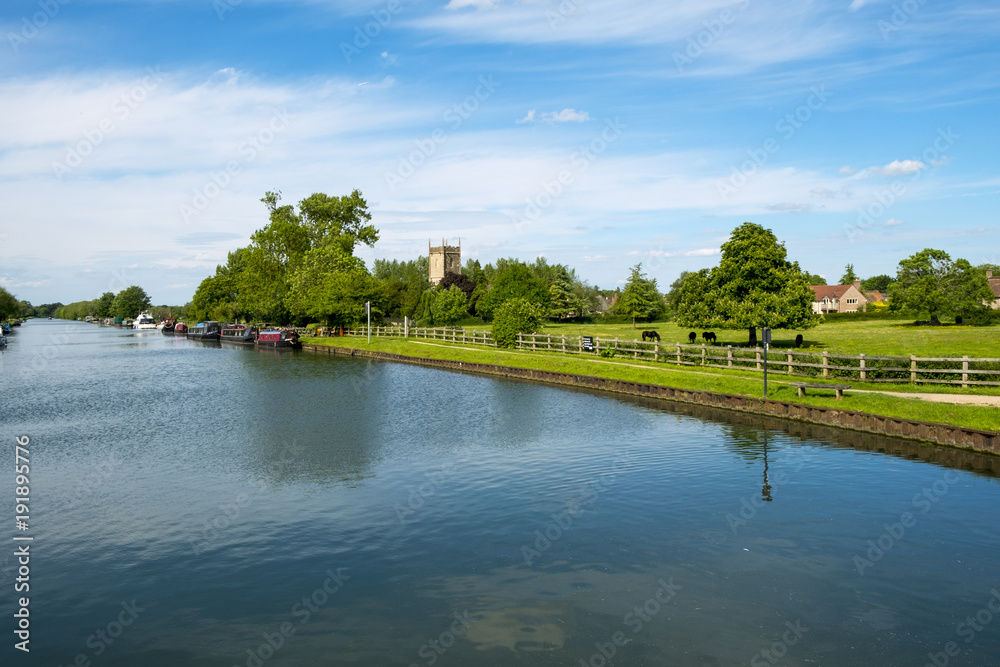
{"x": 965, "y": 399}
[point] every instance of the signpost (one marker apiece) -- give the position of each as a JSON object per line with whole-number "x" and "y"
{"x": 765, "y": 335}
{"x": 368, "y": 312}
{"x": 588, "y": 343}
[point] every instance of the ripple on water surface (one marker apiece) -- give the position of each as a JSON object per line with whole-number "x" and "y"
{"x": 223, "y": 489}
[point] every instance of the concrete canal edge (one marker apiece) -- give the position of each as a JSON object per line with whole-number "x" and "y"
{"x": 938, "y": 434}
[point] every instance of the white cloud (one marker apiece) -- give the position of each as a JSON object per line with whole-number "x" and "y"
{"x": 893, "y": 222}
{"x": 858, "y": 4}
{"x": 528, "y": 117}
{"x": 902, "y": 167}
{"x": 564, "y": 116}
{"x": 478, "y": 4}
{"x": 595, "y": 258}
{"x": 846, "y": 171}
{"x": 895, "y": 168}
{"x": 703, "y": 252}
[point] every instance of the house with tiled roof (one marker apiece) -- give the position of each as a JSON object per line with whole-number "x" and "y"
{"x": 838, "y": 298}
{"x": 995, "y": 286}
{"x": 875, "y": 296}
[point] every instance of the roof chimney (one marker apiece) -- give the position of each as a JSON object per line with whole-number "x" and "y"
{"x": 857, "y": 285}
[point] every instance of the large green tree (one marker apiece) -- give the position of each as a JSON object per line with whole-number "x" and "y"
{"x": 849, "y": 275}
{"x": 403, "y": 283}
{"x": 105, "y": 305}
{"x": 326, "y": 280}
{"x": 514, "y": 316}
{"x": 930, "y": 282}
{"x": 754, "y": 285}
{"x": 815, "y": 279}
{"x": 515, "y": 280}
{"x": 218, "y": 297}
{"x": 880, "y": 283}
{"x": 640, "y": 299}
{"x": 130, "y": 302}
{"x": 9, "y": 306}
{"x": 449, "y": 305}
{"x": 564, "y": 300}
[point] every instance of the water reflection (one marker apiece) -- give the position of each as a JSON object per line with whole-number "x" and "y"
{"x": 230, "y": 481}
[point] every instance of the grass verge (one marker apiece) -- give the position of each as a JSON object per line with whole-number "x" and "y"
{"x": 715, "y": 380}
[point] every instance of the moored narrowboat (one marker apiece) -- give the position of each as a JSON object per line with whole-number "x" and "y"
{"x": 278, "y": 338}
{"x": 180, "y": 329}
{"x": 205, "y": 331}
{"x": 168, "y": 327}
{"x": 238, "y": 333}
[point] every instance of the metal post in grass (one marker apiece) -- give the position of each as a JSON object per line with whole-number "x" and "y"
{"x": 765, "y": 335}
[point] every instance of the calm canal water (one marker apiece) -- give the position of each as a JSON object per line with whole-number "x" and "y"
{"x": 203, "y": 505}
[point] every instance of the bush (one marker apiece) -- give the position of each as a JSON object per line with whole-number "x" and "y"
{"x": 983, "y": 318}
{"x": 513, "y": 317}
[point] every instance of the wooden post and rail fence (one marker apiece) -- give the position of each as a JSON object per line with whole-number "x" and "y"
{"x": 960, "y": 371}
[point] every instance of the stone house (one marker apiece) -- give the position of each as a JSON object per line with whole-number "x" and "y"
{"x": 838, "y": 298}
{"x": 995, "y": 286}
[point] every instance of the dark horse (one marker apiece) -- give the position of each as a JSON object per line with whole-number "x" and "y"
{"x": 692, "y": 337}
{"x": 709, "y": 336}
{"x": 650, "y": 335}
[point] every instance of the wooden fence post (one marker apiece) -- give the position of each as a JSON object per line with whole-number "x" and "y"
{"x": 864, "y": 375}
{"x": 729, "y": 356}
{"x": 656, "y": 351}
{"x": 564, "y": 343}
{"x": 826, "y": 364}
{"x": 702, "y": 354}
{"x": 965, "y": 371}
{"x": 757, "y": 355}
{"x": 913, "y": 368}
{"x": 790, "y": 360}
{"x": 678, "y": 353}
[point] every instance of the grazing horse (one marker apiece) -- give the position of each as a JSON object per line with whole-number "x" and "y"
{"x": 650, "y": 335}
{"x": 692, "y": 336}
{"x": 798, "y": 341}
{"x": 709, "y": 336}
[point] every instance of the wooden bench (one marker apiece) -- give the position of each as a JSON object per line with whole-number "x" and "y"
{"x": 802, "y": 386}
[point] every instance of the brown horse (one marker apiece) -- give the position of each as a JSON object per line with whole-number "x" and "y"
{"x": 650, "y": 335}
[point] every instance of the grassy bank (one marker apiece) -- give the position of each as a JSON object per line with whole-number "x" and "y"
{"x": 716, "y": 380}
{"x": 874, "y": 338}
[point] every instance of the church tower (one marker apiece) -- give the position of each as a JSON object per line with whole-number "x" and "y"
{"x": 443, "y": 259}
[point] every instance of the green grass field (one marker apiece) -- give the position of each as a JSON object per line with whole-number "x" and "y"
{"x": 716, "y": 380}
{"x": 873, "y": 338}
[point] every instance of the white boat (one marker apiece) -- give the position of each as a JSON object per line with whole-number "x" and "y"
{"x": 144, "y": 321}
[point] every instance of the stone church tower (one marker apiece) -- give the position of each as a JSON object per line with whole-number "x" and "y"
{"x": 443, "y": 259}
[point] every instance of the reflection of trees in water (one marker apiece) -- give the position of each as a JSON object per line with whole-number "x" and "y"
{"x": 746, "y": 431}
{"x": 346, "y": 414}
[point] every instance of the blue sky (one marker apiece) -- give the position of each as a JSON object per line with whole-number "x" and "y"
{"x": 137, "y": 137}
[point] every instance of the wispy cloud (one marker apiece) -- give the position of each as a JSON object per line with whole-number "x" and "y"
{"x": 895, "y": 168}
{"x": 564, "y": 116}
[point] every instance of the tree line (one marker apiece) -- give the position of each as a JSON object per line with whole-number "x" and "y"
{"x": 755, "y": 286}
{"x": 301, "y": 268}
